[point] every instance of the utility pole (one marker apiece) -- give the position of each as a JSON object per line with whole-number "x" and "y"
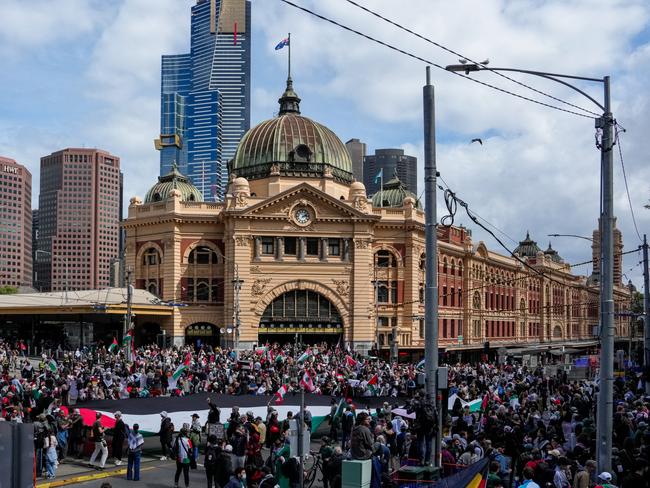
{"x": 431, "y": 268}
{"x": 646, "y": 316}
{"x": 604, "y": 426}
{"x": 128, "y": 322}
{"x": 236, "y": 309}
{"x": 394, "y": 353}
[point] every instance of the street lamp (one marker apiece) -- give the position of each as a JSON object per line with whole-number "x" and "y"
{"x": 65, "y": 262}
{"x": 571, "y": 235}
{"x": 606, "y": 223}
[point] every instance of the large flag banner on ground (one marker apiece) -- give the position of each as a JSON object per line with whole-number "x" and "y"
{"x": 473, "y": 476}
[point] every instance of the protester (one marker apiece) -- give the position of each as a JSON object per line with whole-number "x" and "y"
{"x": 51, "y": 460}
{"x": 183, "y": 453}
{"x": 100, "y": 443}
{"x": 119, "y": 434}
{"x": 135, "y": 442}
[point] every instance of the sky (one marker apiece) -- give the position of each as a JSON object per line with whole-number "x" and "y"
{"x": 81, "y": 73}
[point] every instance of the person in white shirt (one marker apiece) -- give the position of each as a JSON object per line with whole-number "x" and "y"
{"x": 135, "y": 441}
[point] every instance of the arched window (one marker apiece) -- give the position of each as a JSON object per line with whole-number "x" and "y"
{"x": 152, "y": 287}
{"x": 203, "y": 255}
{"x": 444, "y": 265}
{"x": 202, "y": 291}
{"x": 385, "y": 259}
{"x": 151, "y": 257}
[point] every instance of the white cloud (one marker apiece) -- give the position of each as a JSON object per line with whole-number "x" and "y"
{"x": 39, "y": 23}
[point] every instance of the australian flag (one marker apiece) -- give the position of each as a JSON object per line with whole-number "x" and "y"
{"x": 282, "y": 43}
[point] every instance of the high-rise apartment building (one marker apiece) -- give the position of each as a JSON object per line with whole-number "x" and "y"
{"x": 357, "y": 150}
{"x": 15, "y": 224}
{"x": 79, "y": 219}
{"x": 393, "y": 162}
{"x": 34, "y": 242}
{"x": 205, "y": 95}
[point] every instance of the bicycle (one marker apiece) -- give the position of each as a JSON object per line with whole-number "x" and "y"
{"x": 311, "y": 468}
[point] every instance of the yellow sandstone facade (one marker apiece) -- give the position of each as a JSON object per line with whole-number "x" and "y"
{"x": 298, "y": 250}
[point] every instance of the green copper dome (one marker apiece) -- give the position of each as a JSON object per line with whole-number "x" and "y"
{"x": 291, "y": 145}
{"x": 393, "y": 195}
{"x": 173, "y": 180}
{"x": 527, "y": 247}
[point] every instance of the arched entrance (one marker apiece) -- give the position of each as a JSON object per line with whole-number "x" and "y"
{"x": 305, "y": 315}
{"x": 203, "y": 334}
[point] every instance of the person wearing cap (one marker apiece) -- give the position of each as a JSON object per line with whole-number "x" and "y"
{"x": 135, "y": 443}
{"x": 604, "y": 480}
{"x": 224, "y": 466}
{"x": 119, "y": 435}
{"x": 195, "y": 434}
{"x": 166, "y": 434}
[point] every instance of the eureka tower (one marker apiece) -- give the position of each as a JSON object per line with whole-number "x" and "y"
{"x": 205, "y": 95}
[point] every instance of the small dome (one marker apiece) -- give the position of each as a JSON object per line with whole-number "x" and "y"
{"x": 173, "y": 180}
{"x": 135, "y": 201}
{"x": 291, "y": 145}
{"x": 393, "y": 195}
{"x": 527, "y": 247}
{"x": 357, "y": 189}
{"x": 552, "y": 253}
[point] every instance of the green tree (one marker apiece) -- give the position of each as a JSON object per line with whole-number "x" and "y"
{"x": 8, "y": 290}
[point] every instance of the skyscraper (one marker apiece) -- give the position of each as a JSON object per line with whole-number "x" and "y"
{"x": 205, "y": 95}
{"x": 78, "y": 219}
{"x": 357, "y": 150}
{"x": 393, "y": 162}
{"x": 15, "y": 224}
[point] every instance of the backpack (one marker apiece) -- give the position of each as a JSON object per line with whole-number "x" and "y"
{"x": 211, "y": 456}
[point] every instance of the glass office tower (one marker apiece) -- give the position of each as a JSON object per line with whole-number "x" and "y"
{"x": 205, "y": 96}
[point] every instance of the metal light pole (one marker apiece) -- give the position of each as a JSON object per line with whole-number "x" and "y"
{"x": 431, "y": 258}
{"x": 236, "y": 309}
{"x": 646, "y": 316}
{"x": 606, "y": 224}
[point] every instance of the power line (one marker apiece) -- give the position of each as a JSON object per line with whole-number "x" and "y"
{"x": 627, "y": 190}
{"x": 484, "y": 65}
{"x": 429, "y": 62}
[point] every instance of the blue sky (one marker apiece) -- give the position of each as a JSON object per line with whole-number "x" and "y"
{"x": 87, "y": 72}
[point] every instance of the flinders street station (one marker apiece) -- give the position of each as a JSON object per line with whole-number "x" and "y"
{"x": 299, "y": 251}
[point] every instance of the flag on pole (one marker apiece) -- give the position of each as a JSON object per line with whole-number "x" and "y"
{"x": 279, "y": 395}
{"x": 305, "y": 356}
{"x": 234, "y": 35}
{"x": 113, "y": 346}
{"x": 307, "y": 382}
{"x": 260, "y": 351}
{"x": 128, "y": 338}
{"x": 52, "y": 365}
{"x": 282, "y": 43}
{"x": 379, "y": 176}
{"x": 373, "y": 383}
{"x": 182, "y": 367}
{"x": 349, "y": 361}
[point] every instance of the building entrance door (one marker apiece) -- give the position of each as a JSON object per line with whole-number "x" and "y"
{"x": 203, "y": 334}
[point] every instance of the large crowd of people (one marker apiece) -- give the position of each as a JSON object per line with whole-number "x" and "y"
{"x": 535, "y": 429}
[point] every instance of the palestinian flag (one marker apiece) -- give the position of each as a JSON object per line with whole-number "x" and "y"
{"x": 279, "y": 395}
{"x": 307, "y": 382}
{"x": 52, "y": 366}
{"x": 349, "y": 361}
{"x": 182, "y": 367}
{"x": 305, "y": 356}
{"x": 261, "y": 351}
{"x": 279, "y": 358}
{"x": 373, "y": 383}
{"x": 128, "y": 338}
{"x": 113, "y": 346}
{"x": 341, "y": 408}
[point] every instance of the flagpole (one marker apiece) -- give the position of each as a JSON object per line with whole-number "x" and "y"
{"x": 381, "y": 191}
{"x": 289, "y": 57}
